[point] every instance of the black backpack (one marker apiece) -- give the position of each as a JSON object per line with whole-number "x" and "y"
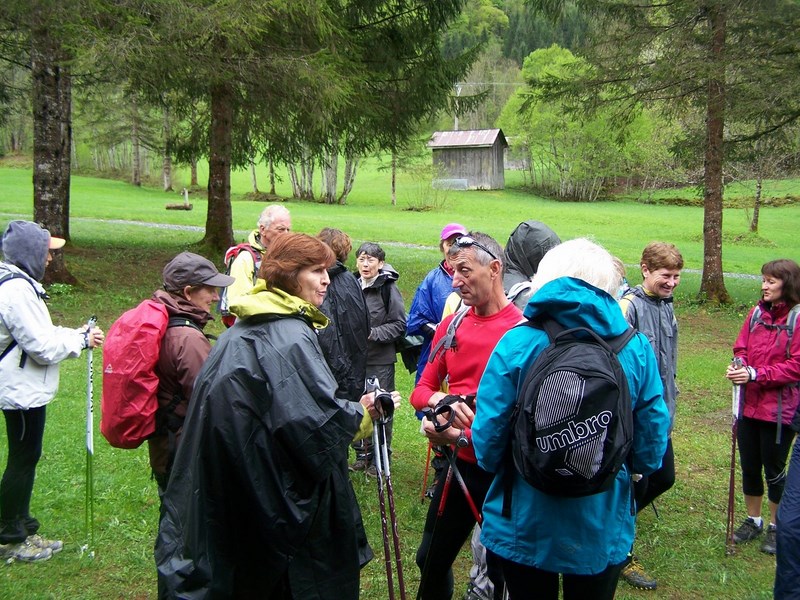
{"x": 572, "y": 428}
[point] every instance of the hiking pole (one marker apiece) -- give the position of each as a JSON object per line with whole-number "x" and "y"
{"x": 736, "y": 407}
{"x": 378, "y": 432}
{"x": 425, "y": 475}
{"x": 89, "y": 502}
{"x": 385, "y": 406}
{"x": 451, "y": 457}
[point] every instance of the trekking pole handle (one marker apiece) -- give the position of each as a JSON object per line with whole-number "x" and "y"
{"x": 90, "y": 324}
{"x": 736, "y": 402}
{"x": 384, "y": 403}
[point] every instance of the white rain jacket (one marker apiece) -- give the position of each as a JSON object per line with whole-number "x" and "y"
{"x": 33, "y": 381}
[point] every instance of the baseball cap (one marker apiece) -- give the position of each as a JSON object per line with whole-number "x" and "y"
{"x": 452, "y": 229}
{"x": 56, "y": 242}
{"x": 192, "y": 269}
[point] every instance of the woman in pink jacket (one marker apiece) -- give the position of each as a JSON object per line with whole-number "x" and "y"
{"x": 770, "y": 373}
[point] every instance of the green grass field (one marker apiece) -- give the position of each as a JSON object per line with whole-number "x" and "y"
{"x": 118, "y": 264}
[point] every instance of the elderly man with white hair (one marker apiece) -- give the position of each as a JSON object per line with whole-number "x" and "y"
{"x": 583, "y": 539}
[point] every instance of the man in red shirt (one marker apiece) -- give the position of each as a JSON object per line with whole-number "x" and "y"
{"x": 478, "y": 277}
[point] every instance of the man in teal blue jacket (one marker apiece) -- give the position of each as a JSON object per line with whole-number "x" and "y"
{"x": 584, "y": 539}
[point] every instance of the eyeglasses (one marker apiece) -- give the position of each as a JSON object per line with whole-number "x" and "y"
{"x": 466, "y": 241}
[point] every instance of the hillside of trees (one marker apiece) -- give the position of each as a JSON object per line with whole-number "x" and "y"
{"x": 593, "y": 95}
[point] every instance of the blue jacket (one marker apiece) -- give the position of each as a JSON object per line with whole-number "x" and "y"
{"x": 579, "y": 536}
{"x": 426, "y": 308}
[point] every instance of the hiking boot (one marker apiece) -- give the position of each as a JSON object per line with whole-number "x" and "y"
{"x": 747, "y": 531}
{"x": 472, "y": 593}
{"x": 361, "y": 464}
{"x": 371, "y": 471}
{"x": 770, "y": 545}
{"x": 636, "y": 576}
{"x": 40, "y": 542}
{"x": 24, "y": 551}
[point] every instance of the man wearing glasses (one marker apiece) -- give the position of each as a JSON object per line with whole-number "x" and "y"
{"x": 478, "y": 276}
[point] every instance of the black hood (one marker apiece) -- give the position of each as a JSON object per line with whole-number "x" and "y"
{"x": 526, "y": 246}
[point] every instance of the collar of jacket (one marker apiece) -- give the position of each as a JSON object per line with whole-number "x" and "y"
{"x": 651, "y": 296}
{"x": 263, "y": 302}
{"x": 254, "y": 239}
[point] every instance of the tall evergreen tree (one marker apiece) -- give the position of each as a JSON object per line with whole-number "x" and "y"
{"x": 692, "y": 55}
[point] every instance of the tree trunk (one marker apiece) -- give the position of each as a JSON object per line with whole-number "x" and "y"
{"x": 219, "y": 219}
{"x": 712, "y": 284}
{"x": 294, "y": 181}
{"x": 52, "y": 124}
{"x": 350, "y": 170}
{"x": 757, "y": 203}
{"x": 193, "y": 169}
{"x": 330, "y": 175}
{"x": 307, "y": 177}
{"x": 271, "y": 176}
{"x": 253, "y": 178}
{"x": 394, "y": 178}
{"x": 136, "y": 163}
{"x": 166, "y": 164}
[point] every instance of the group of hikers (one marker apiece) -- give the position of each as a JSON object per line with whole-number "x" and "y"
{"x": 545, "y": 385}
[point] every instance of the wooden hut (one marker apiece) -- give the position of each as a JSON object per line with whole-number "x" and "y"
{"x": 469, "y": 160}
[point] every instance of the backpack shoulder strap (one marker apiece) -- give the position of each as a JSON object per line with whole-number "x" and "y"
{"x": 386, "y": 294}
{"x": 234, "y": 251}
{"x": 8, "y": 276}
{"x": 448, "y": 340}
{"x": 791, "y": 322}
{"x": 755, "y": 317}
{"x": 184, "y": 322}
{"x": 628, "y": 305}
{"x": 555, "y": 330}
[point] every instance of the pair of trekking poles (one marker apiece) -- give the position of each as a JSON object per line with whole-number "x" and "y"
{"x": 384, "y": 404}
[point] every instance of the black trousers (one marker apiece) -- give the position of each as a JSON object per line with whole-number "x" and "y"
{"x": 444, "y": 535}
{"x": 529, "y": 583}
{"x": 650, "y": 487}
{"x": 759, "y": 453}
{"x": 25, "y": 431}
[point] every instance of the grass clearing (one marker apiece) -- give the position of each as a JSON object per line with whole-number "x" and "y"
{"x": 119, "y": 264}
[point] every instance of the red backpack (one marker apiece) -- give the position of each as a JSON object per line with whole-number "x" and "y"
{"x": 130, "y": 353}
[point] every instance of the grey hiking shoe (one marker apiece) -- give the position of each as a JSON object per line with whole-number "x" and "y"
{"x": 473, "y": 593}
{"x": 24, "y": 552}
{"x": 40, "y": 542}
{"x": 747, "y": 531}
{"x": 770, "y": 545}
{"x": 361, "y": 464}
{"x": 636, "y": 576}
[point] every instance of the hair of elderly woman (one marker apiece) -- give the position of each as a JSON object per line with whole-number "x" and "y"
{"x": 788, "y": 272}
{"x": 582, "y": 259}
{"x": 339, "y": 242}
{"x": 289, "y": 254}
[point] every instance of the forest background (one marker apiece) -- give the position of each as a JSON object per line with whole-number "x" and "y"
{"x": 595, "y": 94}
